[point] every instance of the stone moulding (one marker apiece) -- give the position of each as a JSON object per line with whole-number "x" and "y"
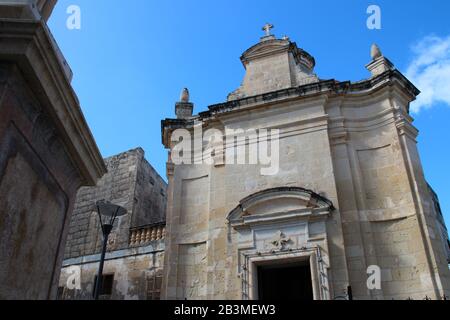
{"x": 154, "y": 247}
{"x": 274, "y": 226}
{"x": 312, "y": 254}
{"x": 330, "y": 86}
{"x": 327, "y": 87}
{"x": 298, "y": 202}
{"x": 271, "y": 47}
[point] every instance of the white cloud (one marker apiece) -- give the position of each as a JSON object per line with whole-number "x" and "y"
{"x": 430, "y": 72}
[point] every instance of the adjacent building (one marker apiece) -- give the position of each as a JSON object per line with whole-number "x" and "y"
{"x": 134, "y": 261}
{"x": 46, "y": 152}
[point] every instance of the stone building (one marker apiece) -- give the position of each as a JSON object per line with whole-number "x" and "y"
{"x": 441, "y": 228}
{"x": 133, "y": 265}
{"x": 349, "y": 193}
{"x": 46, "y": 151}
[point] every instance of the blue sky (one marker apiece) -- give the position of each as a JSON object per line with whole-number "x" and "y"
{"x": 131, "y": 58}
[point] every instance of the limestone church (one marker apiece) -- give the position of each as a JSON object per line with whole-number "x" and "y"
{"x": 349, "y": 197}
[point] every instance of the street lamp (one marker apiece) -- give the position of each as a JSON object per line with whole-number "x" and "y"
{"x": 107, "y": 213}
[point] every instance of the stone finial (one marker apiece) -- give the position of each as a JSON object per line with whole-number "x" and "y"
{"x": 184, "y": 96}
{"x": 375, "y": 52}
{"x": 379, "y": 63}
{"x": 183, "y": 108}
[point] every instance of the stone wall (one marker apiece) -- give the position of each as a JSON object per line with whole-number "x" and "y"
{"x": 135, "y": 251}
{"x": 136, "y": 272}
{"x": 130, "y": 182}
{"x": 442, "y": 232}
{"x": 46, "y": 153}
{"x": 151, "y": 195}
{"x": 202, "y": 197}
{"x": 34, "y": 205}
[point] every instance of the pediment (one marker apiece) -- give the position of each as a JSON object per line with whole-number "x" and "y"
{"x": 279, "y": 204}
{"x": 265, "y": 48}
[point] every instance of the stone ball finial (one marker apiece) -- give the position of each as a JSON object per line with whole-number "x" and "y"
{"x": 375, "y": 52}
{"x": 184, "y": 97}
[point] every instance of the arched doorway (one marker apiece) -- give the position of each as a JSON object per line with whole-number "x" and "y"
{"x": 282, "y": 244}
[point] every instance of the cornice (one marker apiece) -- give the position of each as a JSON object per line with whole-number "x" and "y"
{"x": 347, "y": 90}
{"x": 29, "y": 44}
{"x": 331, "y": 87}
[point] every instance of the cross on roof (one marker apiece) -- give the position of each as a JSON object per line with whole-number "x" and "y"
{"x": 267, "y": 28}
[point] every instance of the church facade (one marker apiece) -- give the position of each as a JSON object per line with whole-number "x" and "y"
{"x": 347, "y": 199}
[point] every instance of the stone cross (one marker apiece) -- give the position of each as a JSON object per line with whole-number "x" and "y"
{"x": 267, "y": 28}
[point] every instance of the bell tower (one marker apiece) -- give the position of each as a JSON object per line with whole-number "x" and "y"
{"x": 274, "y": 64}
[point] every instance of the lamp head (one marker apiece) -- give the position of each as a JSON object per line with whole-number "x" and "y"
{"x": 107, "y": 213}
{"x": 109, "y": 209}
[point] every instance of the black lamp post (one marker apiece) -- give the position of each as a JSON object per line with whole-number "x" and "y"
{"x": 107, "y": 213}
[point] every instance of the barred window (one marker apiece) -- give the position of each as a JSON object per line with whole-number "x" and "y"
{"x": 106, "y": 285}
{"x": 154, "y": 287}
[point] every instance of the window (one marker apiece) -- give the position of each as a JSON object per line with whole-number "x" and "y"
{"x": 154, "y": 287}
{"x": 60, "y": 293}
{"x": 106, "y": 285}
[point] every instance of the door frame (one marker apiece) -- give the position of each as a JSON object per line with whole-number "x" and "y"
{"x": 254, "y": 261}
